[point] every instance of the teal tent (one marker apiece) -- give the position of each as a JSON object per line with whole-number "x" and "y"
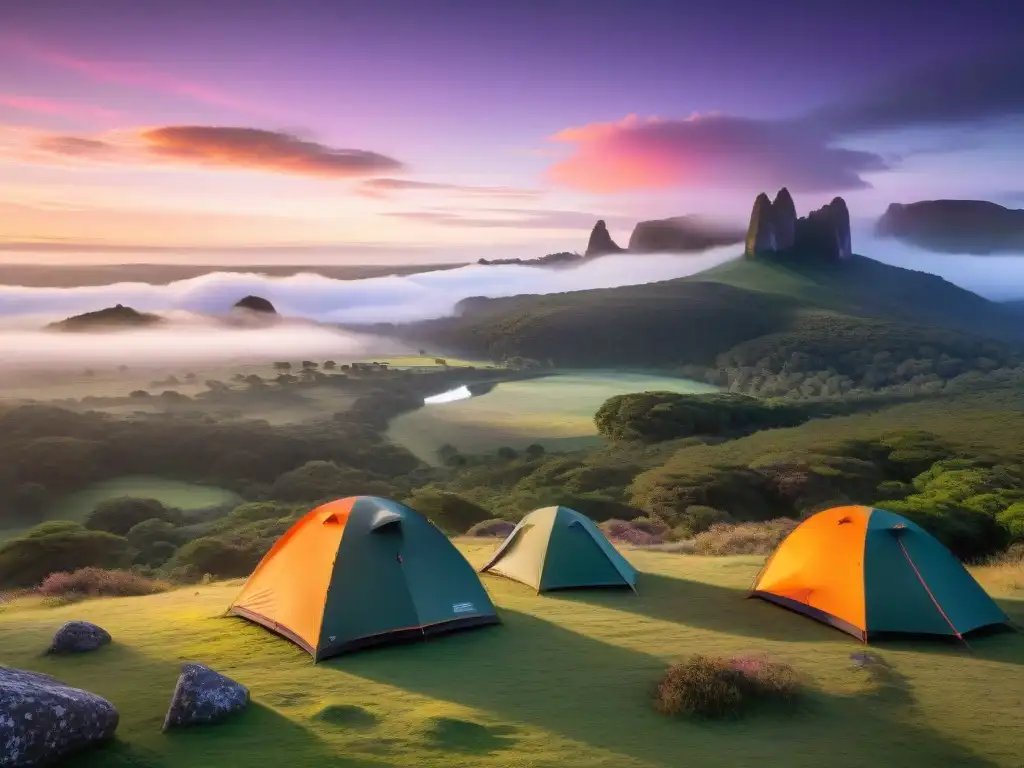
{"x": 558, "y": 548}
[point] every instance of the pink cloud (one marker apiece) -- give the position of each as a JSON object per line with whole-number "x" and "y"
{"x": 56, "y": 107}
{"x": 705, "y": 150}
{"x": 123, "y": 73}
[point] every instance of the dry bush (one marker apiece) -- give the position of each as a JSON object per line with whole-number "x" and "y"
{"x": 743, "y": 538}
{"x": 716, "y": 687}
{"x": 627, "y": 533}
{"x": 97, "y": 582}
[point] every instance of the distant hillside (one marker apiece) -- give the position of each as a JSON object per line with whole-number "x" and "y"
{"x": 681, "y": 234}
{"x": 115, "y": 318}
{"x": 864, "y": 287}
{"x": 955, "y": 226}
{"x": 697, "y": 319}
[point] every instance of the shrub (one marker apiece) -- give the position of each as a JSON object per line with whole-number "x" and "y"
{"x": 27, "y": 561}
{"x": 743, "y": 538}
{"x": 219, "y": 558}
{"x": 627, "y": 533}
{"x": 714, "y": 687}
{"x": 497, "y": 528}
{"x": 98, "y": 582}
{"x": 51, "y": 527}
{"x": 448, "y": 511}
{"x": 118, "y": 516}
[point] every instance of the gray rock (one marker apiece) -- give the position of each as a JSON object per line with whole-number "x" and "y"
{"x": 761, "y": 232}
{"x": 601, "y": 243}
{"x": 204, "y": 696}
{"x": 78, "y": 637}
{"x": 43, "y": 720}
{"x": 784, "y": 219}
{"x": 841, "y": 220}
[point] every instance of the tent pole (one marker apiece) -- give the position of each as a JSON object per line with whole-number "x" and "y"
{"x": 924, "y": 584}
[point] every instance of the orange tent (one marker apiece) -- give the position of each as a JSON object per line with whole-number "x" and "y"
{"x": 870, "y": 572}
{"x": 362, "y": 571}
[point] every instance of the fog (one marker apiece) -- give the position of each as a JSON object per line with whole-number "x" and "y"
{"x": 180, "y": 344}
{"x": 190, "y": 336}
{"x": 995, "y": 277}
{"x": 371, "y": 300}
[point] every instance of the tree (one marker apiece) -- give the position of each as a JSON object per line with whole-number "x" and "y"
{"x": 120, "y": 515}
{"x": 330, "y": 365}
{"x": 534, "y": 451}
{"x": 448, "y": 511}
{"x": 282, "y": 366}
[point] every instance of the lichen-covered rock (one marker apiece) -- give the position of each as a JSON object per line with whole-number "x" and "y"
{"x": 43, "y": 720}
{"x": 761, "y": 232}
{"x": 79, "y": 637}
{"x": 204, "y": 696}
{"x": 601, "y": 243}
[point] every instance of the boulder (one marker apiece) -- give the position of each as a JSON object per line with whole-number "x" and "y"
{"x": 256, "y": 304}
{"x": 203, "y": 696}
{"x": 79, "y": 637}
{"x": 761, "y": 232}
{"x": 601, "y": 243}
{"x": 43, "y": 720}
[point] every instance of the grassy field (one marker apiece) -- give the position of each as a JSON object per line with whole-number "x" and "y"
{"x": 565, "y": 681}
{"x": 555, "y": 411}
{"x": 173, "y": 493}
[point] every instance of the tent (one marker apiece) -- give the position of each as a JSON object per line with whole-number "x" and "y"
{"x": 362, "y": 571}
{"x": 558, "y": 548}
{"x": 870, "y": 572}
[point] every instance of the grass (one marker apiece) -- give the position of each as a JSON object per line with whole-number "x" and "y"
{"x": 555, "y": 411}
{"x": 565, "y": 681}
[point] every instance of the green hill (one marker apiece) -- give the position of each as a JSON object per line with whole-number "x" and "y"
{"x": 696, "y": 319}
{"x": 109, "y": 319}
{"x": 565, "y": 681}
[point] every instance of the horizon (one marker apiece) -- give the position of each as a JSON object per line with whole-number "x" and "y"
{"x": 376, "y": 135}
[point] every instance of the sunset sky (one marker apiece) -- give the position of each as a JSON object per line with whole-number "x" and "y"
{"x": 363, "y": 129}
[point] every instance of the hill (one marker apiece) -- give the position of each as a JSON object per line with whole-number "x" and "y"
{"x": 681, "y": 234}
{"x": 955, "y": 226}
{"x": 693, "y": 320}
{"x": 114, "y": 318}
{"x": 565, "y": 681}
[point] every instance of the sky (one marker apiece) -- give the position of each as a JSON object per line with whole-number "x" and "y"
{"x": 399, "y": 130}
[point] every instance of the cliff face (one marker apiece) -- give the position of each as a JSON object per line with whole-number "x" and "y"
{"x": 775, "y": 228}
{"x": 601, "y": 243}
{"x": 955, "y": 226}
{"x": 681, "y": 234}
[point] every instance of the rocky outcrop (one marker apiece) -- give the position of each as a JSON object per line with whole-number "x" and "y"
{"x": 955, "y": 226}
{"x": 79, "y": 637}
{"x": 601, "y": 243}
{"x": 256, "y": 304}
{"x": 203, "y": 696}
{"x": 680, "y": 234}
{"x": 43, "y": 720}
{"x": 784, "y": 220}
{"x": 114, "y": 318}
{"x": 560, "y": 259}
{"x": 823, "y": 234}
{"x": 761, "y": 232}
